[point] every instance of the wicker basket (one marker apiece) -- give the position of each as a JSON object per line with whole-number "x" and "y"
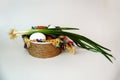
{"x": 43, "y": 50}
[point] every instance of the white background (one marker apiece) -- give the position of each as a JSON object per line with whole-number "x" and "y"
{"x": 98, "y": 20}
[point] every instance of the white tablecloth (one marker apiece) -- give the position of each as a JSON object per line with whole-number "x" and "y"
{"x": 97, "y": 20}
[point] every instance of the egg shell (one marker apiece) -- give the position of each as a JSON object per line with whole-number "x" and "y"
{"x": 39, "y": 36}
{"x": 51, "y": 26}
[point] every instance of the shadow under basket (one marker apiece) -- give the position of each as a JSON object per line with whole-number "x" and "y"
{"x": 43, "y": 50}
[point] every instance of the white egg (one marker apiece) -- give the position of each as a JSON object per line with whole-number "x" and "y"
{"x": 37, "y": 36}
{"x": 52, "y": 26}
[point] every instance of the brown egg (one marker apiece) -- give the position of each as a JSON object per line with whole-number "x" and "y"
{"x": 49, "y": 37}
{"x": 41, "y": 27}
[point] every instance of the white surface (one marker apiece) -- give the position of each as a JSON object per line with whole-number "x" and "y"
{"x": 97, "y": 19}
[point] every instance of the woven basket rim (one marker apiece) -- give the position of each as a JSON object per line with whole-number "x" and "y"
{"x": 40, "y": 42}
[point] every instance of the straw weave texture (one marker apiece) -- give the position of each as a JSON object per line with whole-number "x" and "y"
{"x": 43, "y": 50}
